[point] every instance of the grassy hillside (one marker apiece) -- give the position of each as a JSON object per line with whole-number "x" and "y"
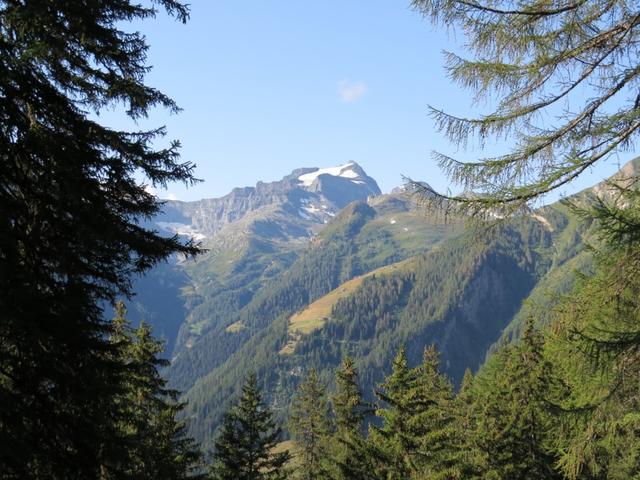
{"x": 316, "y": 314}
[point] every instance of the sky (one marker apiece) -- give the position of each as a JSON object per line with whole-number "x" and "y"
{"x": 268, "y": 86}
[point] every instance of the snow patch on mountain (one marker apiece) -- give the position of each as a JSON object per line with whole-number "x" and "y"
{"x": 345, "y": 171}
{"x": 182, "y": 229}
{"x": 312, "y": 209}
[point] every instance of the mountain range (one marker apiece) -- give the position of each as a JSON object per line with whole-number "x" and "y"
{"x": 300, "y": 272}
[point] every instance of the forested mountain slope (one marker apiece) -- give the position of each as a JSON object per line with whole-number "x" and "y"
{"x": 461, "y": 295}
{"x": 250, "y": 235}
{"x": 278, "y": 294}
{"x": 360, "y": 239}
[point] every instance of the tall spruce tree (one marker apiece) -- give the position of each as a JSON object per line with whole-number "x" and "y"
{"x": 467, "y": 458}
{"x": 392, "y": 443}
{"x": 244, "y": 448}
{"x": 157, "y": 444}
{"x": 310, "y": 428}
{"x": 435, "y": 422}
{"x": 348, "y": 405}
{"x": 514, "y": 412}
{"x": 70, "y": 205}
{"x": 388, "y": 441}
{"x": 416, "y": 439}
{"x": 348, "y": 443}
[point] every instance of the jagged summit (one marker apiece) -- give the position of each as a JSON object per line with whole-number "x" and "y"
{"x": 304, "y": 199}
{"x": 346, "y": 171}
{"x": 350, "y": 171}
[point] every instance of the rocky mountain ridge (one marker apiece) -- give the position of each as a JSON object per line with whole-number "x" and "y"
{"x": 314, "y": 195}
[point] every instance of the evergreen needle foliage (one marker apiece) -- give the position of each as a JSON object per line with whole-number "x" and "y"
{"x": 514, "y": 421}
{"x": 309, "y": 425}
{"x": 563, "y": 76}
{"x": 157, "y": 445}
{"x": 244, "y": 448}
{"x": 563, "y": 79}
{"x": 416, "y": 437}
{"x": 70, "y": 211}
{"x": 350, "y": 411}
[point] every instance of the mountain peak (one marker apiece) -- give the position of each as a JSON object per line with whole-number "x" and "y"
{"x": 350, "y": 170}
{"x": 314, "y": 195}
{"x": 341, "y": 185}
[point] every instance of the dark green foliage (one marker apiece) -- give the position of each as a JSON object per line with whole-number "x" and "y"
{"x": 243, "y": 449}
{"x": 595, "y": 346}
{"x": 225, "y": 357}
{"x": 70, "y": 205}
{"x": 348, "y": 406}
{"x": 438, "y": 451}
{"x": 309, "y": 425}
{"x": 536, "y": 58}
{"x": 415, "y": 439}
{"x": 393, "y": 443}
{"x": 348, "y": 443}
{"x": 466, "y": 456}
{"x": 460, "y": 297}
{"x": 513, "y": 418}
{"x": 157, "y": 445}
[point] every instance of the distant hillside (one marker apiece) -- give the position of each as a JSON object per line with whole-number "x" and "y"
{"x": 360, "y": 239}
{"x": 251, "y": 235}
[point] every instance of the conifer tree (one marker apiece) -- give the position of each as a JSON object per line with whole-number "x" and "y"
{"x": 434, "y": 421}
{"x": 514, "y": 418}
{"x": 309, "y": 425}
{"x": 244, "y": 448}
{"x": 392, "y": 443}
{"x": 157, "y": 445}
{"x": 348, "y": 405}
{"x": 348, "y": 443}
{"x": 71, "y": 199}
{"x": 561, "y": 79}
{"x": 417, "y": 436}
{"x": 467, "y": 457}
{"x": 595, "y": 347}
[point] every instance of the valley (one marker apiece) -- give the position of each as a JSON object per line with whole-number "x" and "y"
{"x": 301, "y": 272}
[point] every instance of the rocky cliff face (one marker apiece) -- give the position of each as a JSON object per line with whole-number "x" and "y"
{"x": 312, "y": 196}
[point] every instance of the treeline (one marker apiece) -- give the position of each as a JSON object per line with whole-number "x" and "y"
{"x": 496, "y": 426}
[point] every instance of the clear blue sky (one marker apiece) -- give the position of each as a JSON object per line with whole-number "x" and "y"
{"x": 268, "y": 86}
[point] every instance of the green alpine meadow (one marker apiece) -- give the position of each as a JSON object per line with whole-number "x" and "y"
{"x": 364, "y": 310}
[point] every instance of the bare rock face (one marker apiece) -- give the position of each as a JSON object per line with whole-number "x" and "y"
{"x": 309, "y": 197}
